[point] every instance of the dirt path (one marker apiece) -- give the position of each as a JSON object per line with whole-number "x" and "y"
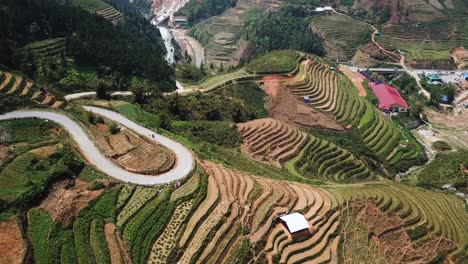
{"x": 355, "y": 78}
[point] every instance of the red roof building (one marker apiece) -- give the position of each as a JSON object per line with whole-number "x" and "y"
{"x": 389, "y": 98}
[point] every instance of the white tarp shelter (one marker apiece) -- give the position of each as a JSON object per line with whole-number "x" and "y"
{"x": 295, "y": 222}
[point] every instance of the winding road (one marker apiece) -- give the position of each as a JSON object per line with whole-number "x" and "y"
{"x": 184, "y": 164}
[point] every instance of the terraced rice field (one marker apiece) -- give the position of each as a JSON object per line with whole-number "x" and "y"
{"x": 332, "y": 93}
{"x": 219, "y": 36}
{"x": 231, "y": 216}
{"x": 233, "y": 204}
{"x": 47, "y": 48}
{"x": 134, "y": 153}
{"x": 17, "y": 86}
{"x": 430, "y": 41}
{"x": 111, "y": 14}
{"x": 343, "y": 35}
{"x": 441, "y": 214}
{"x": 271, "y": 141}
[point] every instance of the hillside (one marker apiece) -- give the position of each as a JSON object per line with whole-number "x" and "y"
{"x": 277, "y": 153}
{"x": 82, "y": 45}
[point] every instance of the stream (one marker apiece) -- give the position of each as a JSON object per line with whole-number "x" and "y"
{"x": 162, "y": 14}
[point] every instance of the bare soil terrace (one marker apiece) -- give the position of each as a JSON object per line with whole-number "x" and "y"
{"x": 67, "y": 198}
{"x": 286, "y": 108}
{"x": 12, "y": 246}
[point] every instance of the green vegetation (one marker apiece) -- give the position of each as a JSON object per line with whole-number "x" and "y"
{"x": 394, "y": 146}
{"x": 325, "y": 160}
{"x": 215, "y": 132}
{"x": 89, "y": 174}
{"x": 428, "y": 42}
{"x": 441, "y": 145}
{"x": 197, "y": 11}
{"x": 98, "y": 241}
{"x": 50, "y": 241}
{"x": 46, "y": 48}
{"x": 188, "y": 73}
{"x": 27, "y": 176}
{"x": 195, "y": 107}
{"x": 252, "y": 97}
{"x": 344, "y": 34}
{"x": 143, "y": 227}
{"x": 27, "y": 130}
{"x": 89, "y": 243}
{"x": 417, "y": 232}
{"x": 284, "y": 61}
{"x": 446, "y": 168}
{"x": 222, "y": 80}
{"x": 96, "y": 185}
{"x": 229, "y": 157}
{"x": 440, "y": 213}
{"x": 91, "y": 42}
{"x": 114, "y": 127}
{"x": 288, "y": 28}
{"x": 439, "y": 91}
{"x": 91, "y": 5}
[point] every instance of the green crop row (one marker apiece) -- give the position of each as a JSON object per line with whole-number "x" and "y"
{"x": 152, "y": 216}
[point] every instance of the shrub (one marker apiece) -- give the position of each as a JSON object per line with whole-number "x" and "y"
{"x": 441, "y": 145}
{"x": 102, "y": 91}
{"x": 91, "y": 117}
{"x": 97, "y": 185}
{"x": 99, "y": 120}
{"x": 113, "y": 127}
{"x": 219, "y": 133}
{"x": 417, "y": 232}
{"x": 446, "y": 168}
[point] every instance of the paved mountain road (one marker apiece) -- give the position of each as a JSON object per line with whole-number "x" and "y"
{"x": 184, "y": 164}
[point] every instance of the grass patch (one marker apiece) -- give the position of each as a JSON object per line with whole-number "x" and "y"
{"x": 446, "y": 168}
{"x": 27, "y": 176}
{"x": 276, "y": 62}
{"x": 89, "y": 174}
{"x": 50, "y": 241}
{"x": 91, "y": 5}
{"x": 215, "y": 132}
{"x": 218, "y": 80}
{"x": 251, "y": 95}
{"x": 30, "y": 130}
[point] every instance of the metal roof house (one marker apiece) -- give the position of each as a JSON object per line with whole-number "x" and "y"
{"x": 465, "y": 76}
{"x": 389, "y": 98}
{"x": 434, "y": 78}
{"x": 295, "y": 223}
{"x": 324, "y": 9}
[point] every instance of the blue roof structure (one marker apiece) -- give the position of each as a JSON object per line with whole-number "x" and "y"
{"x": 444, "y": 99}
{"x": 465, "y": 75}
{"x": 434, "y": 77}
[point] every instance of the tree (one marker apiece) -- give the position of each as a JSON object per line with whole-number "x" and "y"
{"x": 102, "y": 90}
{"x": 113, "y": 127}
{"x": 91, "y": 117}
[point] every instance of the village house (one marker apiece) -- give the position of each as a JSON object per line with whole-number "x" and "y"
{"x": 389, "y": 98}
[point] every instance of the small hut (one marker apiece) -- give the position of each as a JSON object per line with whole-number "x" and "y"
{"x": 296, "y": 224}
